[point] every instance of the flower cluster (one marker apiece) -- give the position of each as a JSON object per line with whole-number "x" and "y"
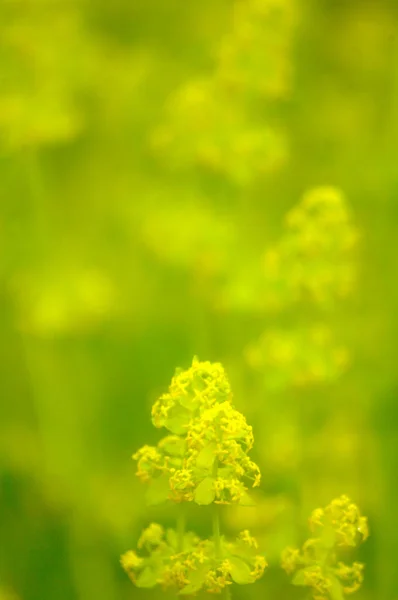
{"x": 295, "y": 358}
{"x": 205, "y": 458}
{"x": 259, "y": 43}
{"x": 317, "y": 565}
{"x": 194, "y": 566}
{"x": 190, "y": 392}
{"x": 314, "y": 258}
{"x": 206, "y": 128}
{"x": 38, "y": 109}
{"x": 343, "y": 517}
{"x": 211, "y": 122}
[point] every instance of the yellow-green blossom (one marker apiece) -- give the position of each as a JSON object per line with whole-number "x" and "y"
{"x": 149, "y": 462}
{"x": 191, "y": 391}
{"x": 152, "y": 536}
{"x": 344, "y": 517}
{"x": 317, "y": 564}
{"x": 130, "y": 560}
{"x": 205, "y": 459}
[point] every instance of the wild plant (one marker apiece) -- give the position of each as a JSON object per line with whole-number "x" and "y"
{"x": 204, "y": 459}
{"x": 318, "y": 565}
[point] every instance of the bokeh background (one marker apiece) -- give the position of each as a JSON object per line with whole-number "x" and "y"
{"x": 151, "y": 153}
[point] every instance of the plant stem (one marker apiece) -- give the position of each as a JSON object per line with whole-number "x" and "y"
{"x": 216, "y": 530}
{"x": 180, "y": 531}
{"x": 216, "y": 519}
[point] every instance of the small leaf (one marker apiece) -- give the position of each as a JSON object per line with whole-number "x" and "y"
{"x": 158, "y": 491}
{"x": 299, "y": 578}
{"x": 177, "y": 421}
{"x": 187, "y": 401}
{"x": 206, "y": 456}
{"x": 205, "y": 493}
{"x": 240, "y": 571}
{"x": 173, "y": 445}
{"x": 198, "y": 383}
{"x": 225, "y": 472}
{"x": 239, "y": 435}
{"x": 336, "y": 590}
{"x": 147, "y": 578}
{"x": 242, "y": 550}
{"x": 196, "y": 581}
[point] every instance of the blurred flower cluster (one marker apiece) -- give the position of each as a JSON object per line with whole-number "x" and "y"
{"x": 336, "y": 527}
{"x": 297, "y": 358}
{"x": 195, "y": 564}
{"x": 39, "y": 104}
{"x": 219, "y": 122}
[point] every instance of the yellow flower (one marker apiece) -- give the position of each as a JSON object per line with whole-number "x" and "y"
{"x": 260, "y": 565}
{"x": 248, "y": 539}
{"x": 151, "y": 536}
{"x": 130, "y": 561}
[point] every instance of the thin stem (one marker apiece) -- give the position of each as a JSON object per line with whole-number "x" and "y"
{"x": 227, "y": 594}
{"x": 216, "y": 530}
{"x": 216, "y": 519}
{"x": 181, "y": 522}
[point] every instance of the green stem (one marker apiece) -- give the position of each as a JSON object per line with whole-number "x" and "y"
{"x": 181, "y": 530}
{"x": 216, "y": 530}
{"x": 216, "y": 519}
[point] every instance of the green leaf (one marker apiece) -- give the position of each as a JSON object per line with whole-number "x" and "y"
{"x": 173, "y": 445}
{"x": 196, "y": 581}
{"x": 198, "y": 383}
{"x": 206, "y": 456}
{"x": 336, "y": 590}
{"x": 238, "y": 435}
{"x": 204, "y": 493}
{"x": 177, "y": 421}
{"x": 186, "y": 400}
{"x": 224, "y": 472}
{"x": 242, "y": 550}
{"x": 147, "y": 578}
{"x": 299, "y": 578}
{"x": 240, "y": 571}
{"x": 158, "y": 491}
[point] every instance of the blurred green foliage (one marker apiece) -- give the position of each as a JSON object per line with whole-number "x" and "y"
{"x": 152, "y": 158}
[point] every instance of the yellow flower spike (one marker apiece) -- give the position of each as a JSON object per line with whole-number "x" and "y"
{"x": 317, "y": 564}
{"x": 204, "y": 458}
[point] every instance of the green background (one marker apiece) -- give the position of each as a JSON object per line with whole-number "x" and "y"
{"x": 108, "y": 249}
